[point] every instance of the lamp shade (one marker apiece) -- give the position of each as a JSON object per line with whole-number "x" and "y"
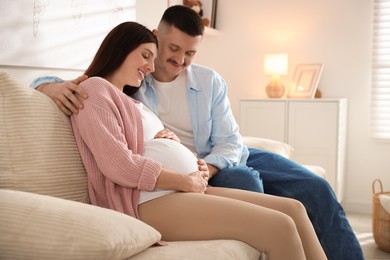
{"x": 276, "y": 64}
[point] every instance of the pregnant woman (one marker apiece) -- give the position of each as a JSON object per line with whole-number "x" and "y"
{"x": 136, "y": 167}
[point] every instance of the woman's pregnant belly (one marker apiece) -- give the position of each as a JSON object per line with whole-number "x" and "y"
{"x": 173, "y": 156}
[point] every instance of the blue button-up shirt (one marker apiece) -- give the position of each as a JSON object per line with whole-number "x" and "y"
{"x": 216, "y": 133}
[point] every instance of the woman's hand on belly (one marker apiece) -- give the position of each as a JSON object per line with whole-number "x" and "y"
{"x": 168, "y": 134}
{"x": 192, "y": 182}
{"x": 199, "y": 182}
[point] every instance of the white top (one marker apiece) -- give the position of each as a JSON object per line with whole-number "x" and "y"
{"x": 171, "y": 154}
{"x": 173, "y": 109}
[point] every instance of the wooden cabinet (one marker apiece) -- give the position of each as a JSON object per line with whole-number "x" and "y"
{"x": 315, "y": 128}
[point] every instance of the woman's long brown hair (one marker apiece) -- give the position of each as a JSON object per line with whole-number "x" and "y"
{"x": 114, "y": 49}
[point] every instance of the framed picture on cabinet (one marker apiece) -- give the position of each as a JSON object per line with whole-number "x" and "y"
{"x": 207, "y": 9}
{"x": 305, "y": 80}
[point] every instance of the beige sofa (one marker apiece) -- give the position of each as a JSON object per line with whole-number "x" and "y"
{"x": 44, "y": 209}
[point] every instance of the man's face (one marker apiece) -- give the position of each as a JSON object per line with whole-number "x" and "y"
{"x": 176, "y": 51}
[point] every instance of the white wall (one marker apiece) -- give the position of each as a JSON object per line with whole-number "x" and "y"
{"x": 336, "y": 33}
{"x": 47, "y": 37}
{"x": 57, "y": 34}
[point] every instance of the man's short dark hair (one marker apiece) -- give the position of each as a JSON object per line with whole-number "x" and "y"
{"x": 185, "y": 19}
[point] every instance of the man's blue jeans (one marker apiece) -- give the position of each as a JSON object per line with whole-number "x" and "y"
{"x": 283, "y": 177}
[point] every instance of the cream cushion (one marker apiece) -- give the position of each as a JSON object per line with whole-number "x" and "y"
{"x": 35, "y": 226}
{"x": 202, "y": 250}
{"x": 38, "y": 152}
{"x": 269, "y": 145}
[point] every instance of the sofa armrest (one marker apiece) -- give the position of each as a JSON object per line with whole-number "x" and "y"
{"x": 280, "y": 148}
{"x": 35, "y": 226}
{"x": 269, "y": 145}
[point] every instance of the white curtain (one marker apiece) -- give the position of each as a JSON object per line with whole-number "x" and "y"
{"x": 380, "y": 96}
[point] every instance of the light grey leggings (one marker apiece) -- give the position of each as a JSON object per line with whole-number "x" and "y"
{"x": 275, "y": 225}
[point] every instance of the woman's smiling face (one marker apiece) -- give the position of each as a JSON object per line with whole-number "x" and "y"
{"x": 136, "y": 66}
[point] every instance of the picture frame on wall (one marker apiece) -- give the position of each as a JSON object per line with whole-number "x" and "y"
{"x": 207, "y": 10}
{"x": 305, "y": 80}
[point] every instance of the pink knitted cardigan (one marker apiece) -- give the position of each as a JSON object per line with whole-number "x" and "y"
{"x": 109, "y": 135}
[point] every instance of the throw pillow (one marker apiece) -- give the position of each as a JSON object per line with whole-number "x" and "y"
{"x": 41, "y": 227}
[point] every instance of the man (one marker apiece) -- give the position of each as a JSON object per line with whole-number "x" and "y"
{"x": 192, "y": 101}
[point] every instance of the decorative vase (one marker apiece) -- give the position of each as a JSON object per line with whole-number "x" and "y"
{"x": 275, "y": 89}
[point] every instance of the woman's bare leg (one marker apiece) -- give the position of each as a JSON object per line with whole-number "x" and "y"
{"x": 291, "y": 207}
{"x": 189, "y": 216}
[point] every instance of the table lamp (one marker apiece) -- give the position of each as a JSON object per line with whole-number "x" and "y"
{"x": 275, "y": 65}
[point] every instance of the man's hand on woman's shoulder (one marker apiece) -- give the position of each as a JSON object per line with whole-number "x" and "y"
{"x": 68, "y": 95}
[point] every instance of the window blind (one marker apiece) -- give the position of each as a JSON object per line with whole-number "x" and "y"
{"x": 380, "y": 94}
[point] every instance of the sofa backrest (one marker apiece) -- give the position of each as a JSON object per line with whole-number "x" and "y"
{"x": 38, "y": 152}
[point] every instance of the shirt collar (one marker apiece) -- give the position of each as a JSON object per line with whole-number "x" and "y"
{"x": 191, "y": 82}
